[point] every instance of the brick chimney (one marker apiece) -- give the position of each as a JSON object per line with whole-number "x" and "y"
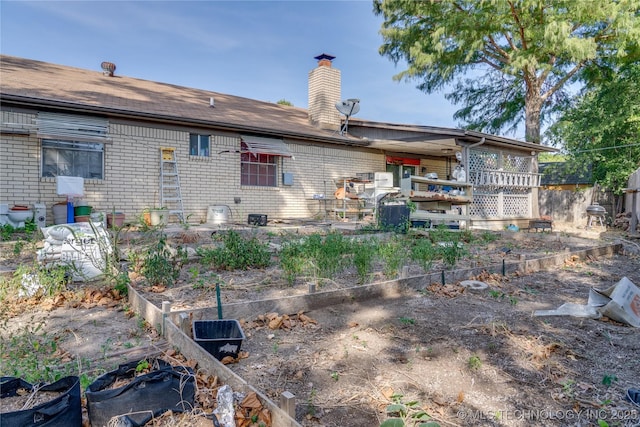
{"x": 324, "y": 92}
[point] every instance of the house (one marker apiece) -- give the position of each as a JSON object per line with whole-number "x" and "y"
{"x": 252, "y": 156}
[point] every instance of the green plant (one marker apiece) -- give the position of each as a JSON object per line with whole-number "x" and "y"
{"x": 36, "y": 279}
{"x": 568, "y": 386}
{"x": 17, "y": 247}
{"x": 311, "y": 408}
{"x": 474, "y": 363}
{"x": 122, "y": 284}
{"x": 452, "y": 250}
{"x": 6, "y": 231}
{"x": 406, "y": 413}
{"x": 335, "y": 375}
{"x": 496, "y": 294}
{"x": 31, "y": 354}
{"x": 608, "y": 380}
{"x": 407, "y": 321}
{"x": 142, "y": 366}
{"x": 159, "y": 266}
{"x": 393, "y": 253}
{"x": 317, "y": 256}
{"x": 237, "y": 252}
{"x": 488, "y": 236}
{"x": 424, "y": 253}
{"x": 364, "y": 254}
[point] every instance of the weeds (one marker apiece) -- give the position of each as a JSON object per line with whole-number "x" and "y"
{"x": 364, "y": 254}
{"x": 31, "y": 355}
{"x": 237, "y": 253}
{"x": 406, "y": 413}
{"x": 393, "y": 253}
{"x": 474, "y": 363}
{"x": 159, "y": 266}
{"x": 319, "y": 256}
{"x": 35, "y": 279}
{"x": 424, "y": 253}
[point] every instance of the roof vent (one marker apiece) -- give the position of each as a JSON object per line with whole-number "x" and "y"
{"x": 108, "y": 68}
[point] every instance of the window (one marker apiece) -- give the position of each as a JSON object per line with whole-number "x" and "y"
{"x": 199, "y": 145}
{"x": 258, "y": 169}
{"x": 69, "y": 158}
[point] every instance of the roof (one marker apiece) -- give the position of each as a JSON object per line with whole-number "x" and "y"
{"x": 38, "y": 84}
{"x": 559, "y": 173}
{"x": 30, "y": 82}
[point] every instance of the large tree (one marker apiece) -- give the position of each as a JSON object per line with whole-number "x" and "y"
{"x": 602, "y": 128}
{"x": 523, "y": 52}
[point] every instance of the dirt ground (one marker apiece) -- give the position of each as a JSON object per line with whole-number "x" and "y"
{"x": 467, "y": 358}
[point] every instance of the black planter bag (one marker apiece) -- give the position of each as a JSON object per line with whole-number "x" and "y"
{"x": 144, "y": 397}
{"x": 63, "y": 411}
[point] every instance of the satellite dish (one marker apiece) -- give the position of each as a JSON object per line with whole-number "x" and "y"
{"x": 348, "y": 107}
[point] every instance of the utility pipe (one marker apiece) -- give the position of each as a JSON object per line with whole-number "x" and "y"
{"x": 466, "y": 154}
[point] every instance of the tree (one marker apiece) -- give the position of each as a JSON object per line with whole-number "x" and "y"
{"x": 526, "y": 51}
{"x": 602, "y": 128}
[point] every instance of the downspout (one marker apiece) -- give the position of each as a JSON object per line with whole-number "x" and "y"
{"x": 466, "y": 154}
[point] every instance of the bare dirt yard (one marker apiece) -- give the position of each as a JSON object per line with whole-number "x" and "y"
{"x": 462, "y": 357}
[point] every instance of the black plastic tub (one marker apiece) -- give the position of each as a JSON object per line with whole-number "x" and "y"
{"x": 257, "y": 219}
{"x": 221, "y": 338}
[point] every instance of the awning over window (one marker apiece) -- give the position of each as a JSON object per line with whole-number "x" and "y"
{"x": 72, "y": 127}
{"x": 258, "y": 145}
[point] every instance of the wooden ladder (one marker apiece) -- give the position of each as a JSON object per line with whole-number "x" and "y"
{"x": 170, "y": 195}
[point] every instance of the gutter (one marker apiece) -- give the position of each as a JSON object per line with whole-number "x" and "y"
{"x": 83, "y": 108}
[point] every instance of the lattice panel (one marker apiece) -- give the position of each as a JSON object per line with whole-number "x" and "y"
{"x": 515, "y": 206}
{"x": 513, "y": 163}
{"x": 516, "y": 191}
{"x": 484, "y": 205}
{"x": 480, "y": 160}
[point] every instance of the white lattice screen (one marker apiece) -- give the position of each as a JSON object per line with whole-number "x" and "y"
{"x": 502, "y": 183}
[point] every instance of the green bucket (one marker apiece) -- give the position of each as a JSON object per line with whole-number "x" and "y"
{"x": 82, "y": 210}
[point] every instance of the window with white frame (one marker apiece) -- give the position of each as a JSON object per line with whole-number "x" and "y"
{"x": 72, "y": 158}
{"x": 199, "y": 145}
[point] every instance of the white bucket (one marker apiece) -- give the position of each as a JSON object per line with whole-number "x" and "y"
{"x": 159, "y": 216}
{"x": 218, "y": 214}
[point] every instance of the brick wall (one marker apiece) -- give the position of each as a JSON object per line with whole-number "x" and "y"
{"x": 132, "y": 165}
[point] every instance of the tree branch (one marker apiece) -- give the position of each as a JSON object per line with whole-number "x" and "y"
{"x": 562, "y": 81}
{"x": 491, "y": 64}
{"x": 500, "y": 50}
{"x": 514, "y": 13}
{"x": 510, "y": 40}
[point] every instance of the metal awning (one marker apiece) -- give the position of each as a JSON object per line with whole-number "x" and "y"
{"x": 272, "y": 146}
{"x": 72, "y": 127}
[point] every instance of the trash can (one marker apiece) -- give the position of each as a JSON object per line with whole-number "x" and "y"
{"x": 392, "y": 216}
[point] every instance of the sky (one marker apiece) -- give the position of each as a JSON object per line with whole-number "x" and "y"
{"x": 262, "y": 50}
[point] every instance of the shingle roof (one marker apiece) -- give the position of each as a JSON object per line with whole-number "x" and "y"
{"x": 38, "y": 83}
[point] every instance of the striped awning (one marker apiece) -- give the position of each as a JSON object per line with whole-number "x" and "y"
{"x": 272, "y": 146}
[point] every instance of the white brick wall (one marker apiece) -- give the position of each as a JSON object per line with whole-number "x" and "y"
{"x": 132, "y": 166}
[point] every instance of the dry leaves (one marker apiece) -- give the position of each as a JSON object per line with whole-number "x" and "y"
{"x": 276, "y": 321}
{"x": 247, "y": 411}
{"x": 449, "y": 291}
